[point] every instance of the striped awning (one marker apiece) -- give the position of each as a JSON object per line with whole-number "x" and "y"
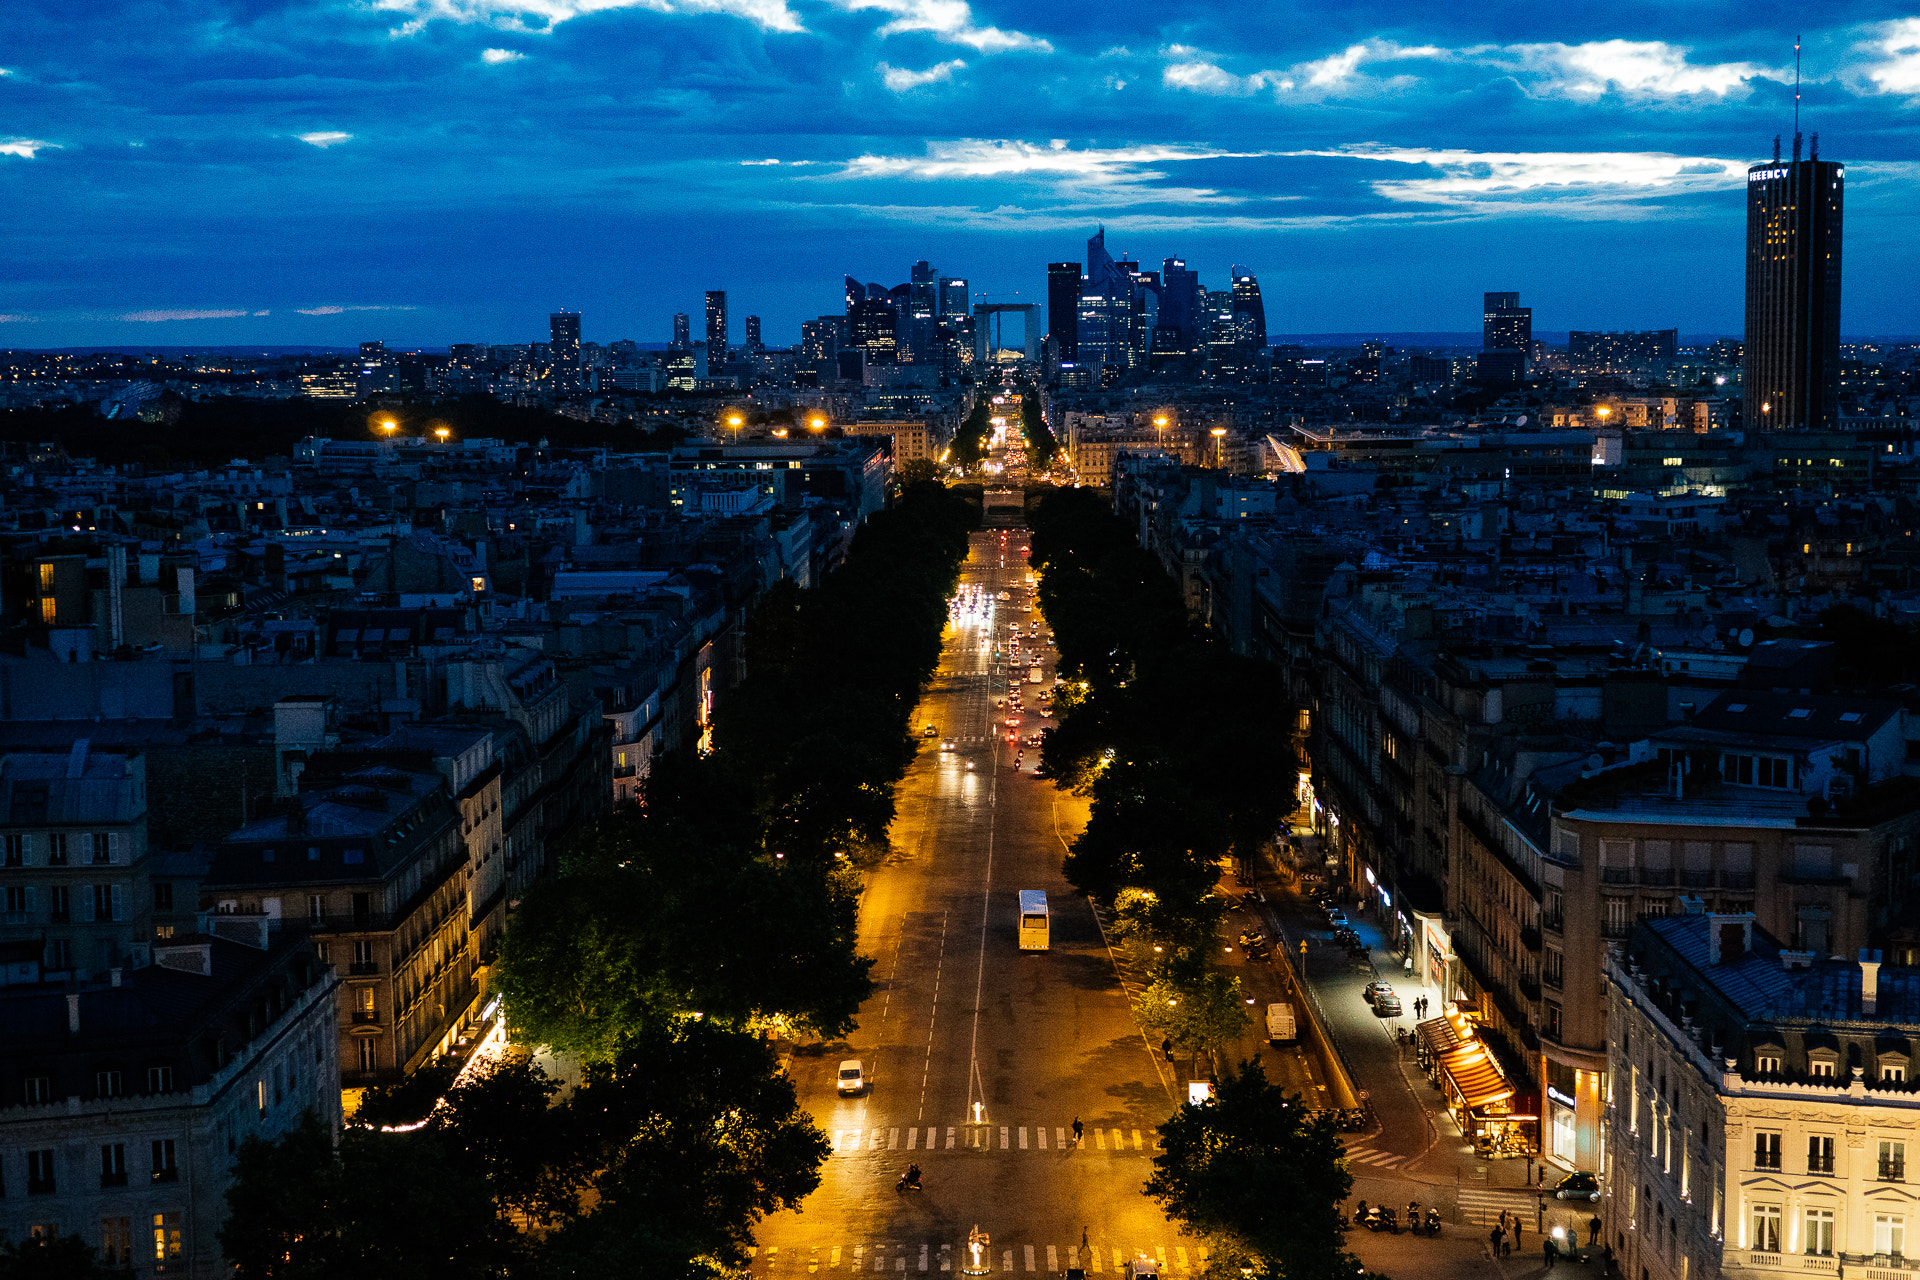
{"x": 1438, "y": 1035}
{"x": 1475, "y": 1076}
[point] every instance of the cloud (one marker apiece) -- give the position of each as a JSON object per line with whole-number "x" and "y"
{"x": 263, "y": 313}
{"x": 1206, "y": 77}
{"x": 1899, "y": 46}
{"x": 13, "y": 319}
{"x": 1633, "y": 69}
{"x": 538, "y": 16}
{"x": 330, "y": 138}
{"x": 951, "y": 21}
{"x": 150, "y": 317}
{"x": 991, "y": 158}
{"x": 494, "y": 57}
{"x": 791, "y": 164}
{"x": 901, "y": 79}
{"x": 336, "y": 310}
{"x": 1584, "y": 183}
{"x": 25, "y": 147}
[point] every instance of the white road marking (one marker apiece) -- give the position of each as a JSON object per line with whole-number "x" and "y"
{"x": 893, "y": 1139}
{"x": 1053, "y": 1259}
{"x": 1023, "y": 1137}
{"x": 1030, "y": 1265}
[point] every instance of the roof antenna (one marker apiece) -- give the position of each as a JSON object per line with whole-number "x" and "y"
{"x": 1796, "y": 98}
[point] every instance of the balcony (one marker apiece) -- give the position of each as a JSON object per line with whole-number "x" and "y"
{"x": 1893, "y": 1171}
{"x": 1553, "y": 923}
{"x": 18, "y": 917}
{"x": 113, "y": 1179}
{"x": 44, "y": 1187}
{"x": 1759, "y": 1258}
{"x": 1616, "y": 875}
{"x": 1736, "y": 880}
{"x": 366, "y": 1017}
{"x": 1697, "y": 879}
{"x": 1530, "y": 939}
{"x": 361, "y": 968}
{"x": 1820, "y": 1264}
{"x": 1615, "y": 928}
{"x": 1656, "y": 877}
{"x": 166, "y": 1175}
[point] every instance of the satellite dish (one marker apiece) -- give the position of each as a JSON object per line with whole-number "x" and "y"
{"x": 1746, "y": 637}
{"x": 1520, "y": 421}
{"x": 1594, "y": 761}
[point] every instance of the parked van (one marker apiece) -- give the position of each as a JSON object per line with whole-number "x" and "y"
{"x": 1280, "y": 1022}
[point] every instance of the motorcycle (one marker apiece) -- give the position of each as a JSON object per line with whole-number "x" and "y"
{"x": 910, "y": 1180}
{"x": 1388, "y": 1222}
{"x": 1433, "y": 1222}
{"x": 1413, "y": 1217}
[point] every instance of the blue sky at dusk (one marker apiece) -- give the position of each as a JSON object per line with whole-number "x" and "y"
{"x": 180, "y": 172}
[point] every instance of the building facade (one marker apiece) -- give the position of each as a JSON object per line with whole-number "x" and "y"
{"x": 1790, "y": 371}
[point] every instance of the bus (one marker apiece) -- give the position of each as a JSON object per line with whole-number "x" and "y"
{"x": 1033, "y": 920}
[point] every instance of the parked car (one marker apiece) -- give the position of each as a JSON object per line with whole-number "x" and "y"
{"x": 1387, "y": 1005}
{"x": 1376, "y": 989}
{"x": 1336, "y": 918}
{"x": 1578, "y": 1185}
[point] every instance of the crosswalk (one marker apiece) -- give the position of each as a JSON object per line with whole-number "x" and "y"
{"x": 933, "y": 1256}
{"x": 1484, "y": 1205}
{"x": 1367, "y": 1155}
{"x": 989, "y": 1137}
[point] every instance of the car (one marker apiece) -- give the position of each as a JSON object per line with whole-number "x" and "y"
{"x": 1012, "y": 722}
{"x": 1336, "y": 918}
{"x": 946, "y": 744}
{"x": 1387, "y": 1005}
{"x": 853, "y": 1076}
{"x": 931, "y": 731}
{"x": 1578, "y": 1185}
{"x": 1376, "y": 989}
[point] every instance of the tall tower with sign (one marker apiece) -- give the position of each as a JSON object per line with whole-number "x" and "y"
{"x": 1790, "y": 374}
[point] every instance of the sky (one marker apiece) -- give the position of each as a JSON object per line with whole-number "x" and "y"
{"x": 230, "y": 172}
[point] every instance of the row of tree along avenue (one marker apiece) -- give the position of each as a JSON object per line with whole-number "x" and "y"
{"x": 1180, "y": 744}
{"x": 678, "y": 939}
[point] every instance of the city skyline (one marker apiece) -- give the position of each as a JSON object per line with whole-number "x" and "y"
{"x": 405, "y": 170}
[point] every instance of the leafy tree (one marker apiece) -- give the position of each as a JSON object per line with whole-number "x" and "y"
{"x": 1193, "y": 1004}
{"x": 1250, "y": 1170}
{"x": 917, "y": 470}
{"x": 698, "y": 1139}
{"x": 56, "y": 1258}
{"x": 500, "y": 1123}
{"x": 408, "y": 1102}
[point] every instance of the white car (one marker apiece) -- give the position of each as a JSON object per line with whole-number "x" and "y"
{"x": 853, "y": 1077}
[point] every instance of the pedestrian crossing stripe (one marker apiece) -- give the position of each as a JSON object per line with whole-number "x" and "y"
{"x": 1366, "y": 1155}
{"x": 1483, "y": 1206}
{"x": 926, "y": 1257}
{"x": 917, "y": 1139}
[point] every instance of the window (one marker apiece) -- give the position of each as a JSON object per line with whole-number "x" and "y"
{"x": 40, "y": 1180}
{"x": 1822, "y": 1068}
{"x": 1892, "y": 1073}
{"x": 159, "y": 1079}
{"x": 1552, "y": 1028}
{"x": 163, "y": 895}
{"x": 316, "y": 908}
{"x": 113, "y": 1164}
{"x": 39, "y": 1089}
{"x": 17, "y": 900}
{"x": 106, "y": 1084}
{"x": 1766, "y": 1151}
{"x": 1766, "y": 1064}
{"x": 56, "y": 848}
{"x": 1766, "y": 1228}
{"x": 166, "y": 1239}
{"x": 1893, "y": 1162}
{"x": 60, "y": 906}
{"x": 1890, "y": 1233}
{"x": 1819, "y": 1154}
{"x": 102, "y": 846}
{"x": 16, "y": 851}
{"x": 164, "y": 1169}
{"x": 363, "y": 955}
{"x": 116, "y": 1243}
{"x": 367, "y": 1060}
{"x": 1820, "y": 1232}
{"x": 59, "y": 951}
{"x": 1553, "y": 972}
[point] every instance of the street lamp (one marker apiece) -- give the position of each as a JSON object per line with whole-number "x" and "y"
{"x": 818, "y": 424}
{"x": 735, "y": 421}
{"x": 442, "y": 433}
{"x": 389, "y": 426}
{"x": 1219, "y": 446}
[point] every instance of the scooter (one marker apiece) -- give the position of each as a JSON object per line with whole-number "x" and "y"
{"x": 910, "y": 1180}
{"x": 1433, "y": 1222}
{"x": 1388, "y": 1222}
{"x": 1413, "y": 1217}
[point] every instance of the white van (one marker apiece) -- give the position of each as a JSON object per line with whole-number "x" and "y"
{"x": 1280, "y": 1022}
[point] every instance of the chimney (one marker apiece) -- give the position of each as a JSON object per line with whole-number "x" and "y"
{"x": 73, "y": 1013}
{"x": 1729, "y": 937}
{"x": 113, "y": 975}
{"x": 77, "y": 759}
{"x": 1869, "y": 981}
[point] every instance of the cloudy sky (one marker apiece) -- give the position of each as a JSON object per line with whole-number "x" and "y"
{"x": 432, "y": 171}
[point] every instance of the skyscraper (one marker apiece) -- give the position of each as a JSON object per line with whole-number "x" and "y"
{"x": 564, "y": 351}
{"x": 1063, "y": 309}
{"x": 1106, "y": 308}
{"x": 682, "y": 331}
{"x": 1790, "y": 374}
{"x": 1180, "y": 301}
{"x": 1247, "y": 302}
{"x": 1506, "y": 335}
{"x": 753, "y": 332}
{"x": 717, "y": 326}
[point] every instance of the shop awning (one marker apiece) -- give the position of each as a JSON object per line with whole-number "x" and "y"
{"x": 1438, "y": 1035}
{"x": 1475, "y": 1076}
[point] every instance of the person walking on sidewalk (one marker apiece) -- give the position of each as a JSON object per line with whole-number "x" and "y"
{"x": 1552, "y": 1254}
{"x": 1495, "y": 1237}
{"x": 1593, "y": 1231}
{"x": 1519, "y": 1225}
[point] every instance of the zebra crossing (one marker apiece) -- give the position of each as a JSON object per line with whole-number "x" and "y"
{"x": 988, "y": 1137}
{"x": 1367, "y": 1155}
{"x": 931, "y": 1257}
{"x": 1484, "y": 1205}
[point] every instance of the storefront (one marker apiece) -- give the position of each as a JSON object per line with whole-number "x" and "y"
{"x": 1492, "y": 1115}
{"x": 1436, "y": 948}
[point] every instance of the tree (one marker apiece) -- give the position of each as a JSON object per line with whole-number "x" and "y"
{"x": 501, "y": 1125}
{"x": 55, "y": 1258}
{"x": 698, "y": 1139}
{"x": 919, "y": 469}
{"x": 1249, "y": 1169}
{"x": 1193, "y": 1004}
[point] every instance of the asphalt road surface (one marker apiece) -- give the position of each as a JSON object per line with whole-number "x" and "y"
{"x": 980, "y": 1056}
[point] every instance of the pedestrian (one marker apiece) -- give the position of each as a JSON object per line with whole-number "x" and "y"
{"x": 1078, "y": 1128}
{"x": 1494, "y": 1237}
{"x": 1166, "y": 1047}
{"x": 1519, "y": 1225}
{"x": 1552, "y": 1254}
{"x": 1083, "y": 1237}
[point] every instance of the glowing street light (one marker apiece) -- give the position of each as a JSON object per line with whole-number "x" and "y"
{"x": 442, "y": 433}
{"x": 389, "y": 426}
{"x": 817, "y": 424}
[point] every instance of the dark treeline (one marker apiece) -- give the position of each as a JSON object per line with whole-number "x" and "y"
{"x": 1041, "y": 444}
{"x": 970, "y": 440}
